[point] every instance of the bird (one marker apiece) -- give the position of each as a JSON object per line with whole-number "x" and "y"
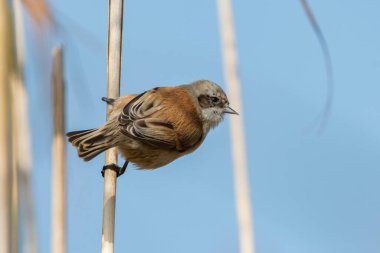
{"x": 158, "y": 126}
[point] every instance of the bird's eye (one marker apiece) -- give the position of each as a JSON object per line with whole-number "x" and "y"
{"x": 215, "y": 100}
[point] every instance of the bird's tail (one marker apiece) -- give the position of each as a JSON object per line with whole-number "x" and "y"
{"x": 90, "y": 143}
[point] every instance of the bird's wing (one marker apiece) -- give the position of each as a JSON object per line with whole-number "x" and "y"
{"x": 149, "y": 118}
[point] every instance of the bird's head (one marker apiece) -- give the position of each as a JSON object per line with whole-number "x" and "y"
{"x": 212, "y": 101}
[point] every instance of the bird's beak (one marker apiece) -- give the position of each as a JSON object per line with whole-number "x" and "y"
{"x": 230, "y": 110}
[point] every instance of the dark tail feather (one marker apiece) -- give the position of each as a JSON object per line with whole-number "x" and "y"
{"x": 90, "y": 143}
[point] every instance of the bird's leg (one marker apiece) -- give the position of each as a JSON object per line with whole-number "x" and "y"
{"x": 124, "y": 168}
{"x": 109, "y": 101}
{"x": 119, "y": 170}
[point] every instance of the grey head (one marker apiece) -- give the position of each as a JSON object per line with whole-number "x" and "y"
{"x": 212, "y": 101}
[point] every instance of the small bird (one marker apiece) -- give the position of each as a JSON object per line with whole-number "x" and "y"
{"x": 158, "y": 126}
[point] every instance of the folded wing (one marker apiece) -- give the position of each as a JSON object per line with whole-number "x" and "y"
{"x": 158, "y": 120}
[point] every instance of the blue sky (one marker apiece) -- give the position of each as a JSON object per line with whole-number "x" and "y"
{"x": 311, "y": 193}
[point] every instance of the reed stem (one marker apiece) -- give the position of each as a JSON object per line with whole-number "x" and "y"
{"x": 115, "y": 31}
{"x": 59, "y": 156}
{"x": 5, "y": 129}
{"x": 242, "y": 189}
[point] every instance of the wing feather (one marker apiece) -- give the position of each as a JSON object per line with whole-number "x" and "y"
{"x": 156, "y": 118}
{"x": 136, "y": 121}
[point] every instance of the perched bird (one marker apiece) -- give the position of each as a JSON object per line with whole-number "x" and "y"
{"x": 158, "y": 126}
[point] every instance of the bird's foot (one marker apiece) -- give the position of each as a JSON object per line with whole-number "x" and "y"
{"x": 119, "y": 170}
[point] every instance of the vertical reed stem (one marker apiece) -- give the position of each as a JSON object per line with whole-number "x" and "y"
{"x": 14, "y": 202}
{"x": 22, "y": 133}
{"x": 15, "y": 186}
{"x": 59, "y": 156}
{"x": 115, "y": 29}
{"x": 21, "y": 166}
{"x": 242, "y": 192}
{"x": 15, "y": 79}
{"x": 5, "y": 148}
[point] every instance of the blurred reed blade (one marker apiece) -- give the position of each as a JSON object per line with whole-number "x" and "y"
{"x": 39, "y": 30}
{"x": 13, "y": 79}
{"x": 39, "y": 11}
{"x": 45, "y": 16}
{"x": 15, "y": 175}
{"x": 59, "y": 156}
{"x": 326, "y": 110}
{"x": 21, "y": 128}
{"x": 30, "y": 243}
{"x": 241, "y": 177}
{"x": 5, "y": 130}
{"x": 23, "y": 160}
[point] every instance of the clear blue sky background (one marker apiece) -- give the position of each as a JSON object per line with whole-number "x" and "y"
{"x": 310, "y": 193}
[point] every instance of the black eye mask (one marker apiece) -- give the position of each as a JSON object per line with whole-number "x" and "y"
{"x": 204, "y": 101}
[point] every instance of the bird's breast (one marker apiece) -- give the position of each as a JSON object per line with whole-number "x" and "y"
{"x": 148, "y": 157}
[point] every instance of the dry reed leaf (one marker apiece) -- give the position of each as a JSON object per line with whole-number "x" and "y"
{"x": 324, "y": 115}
